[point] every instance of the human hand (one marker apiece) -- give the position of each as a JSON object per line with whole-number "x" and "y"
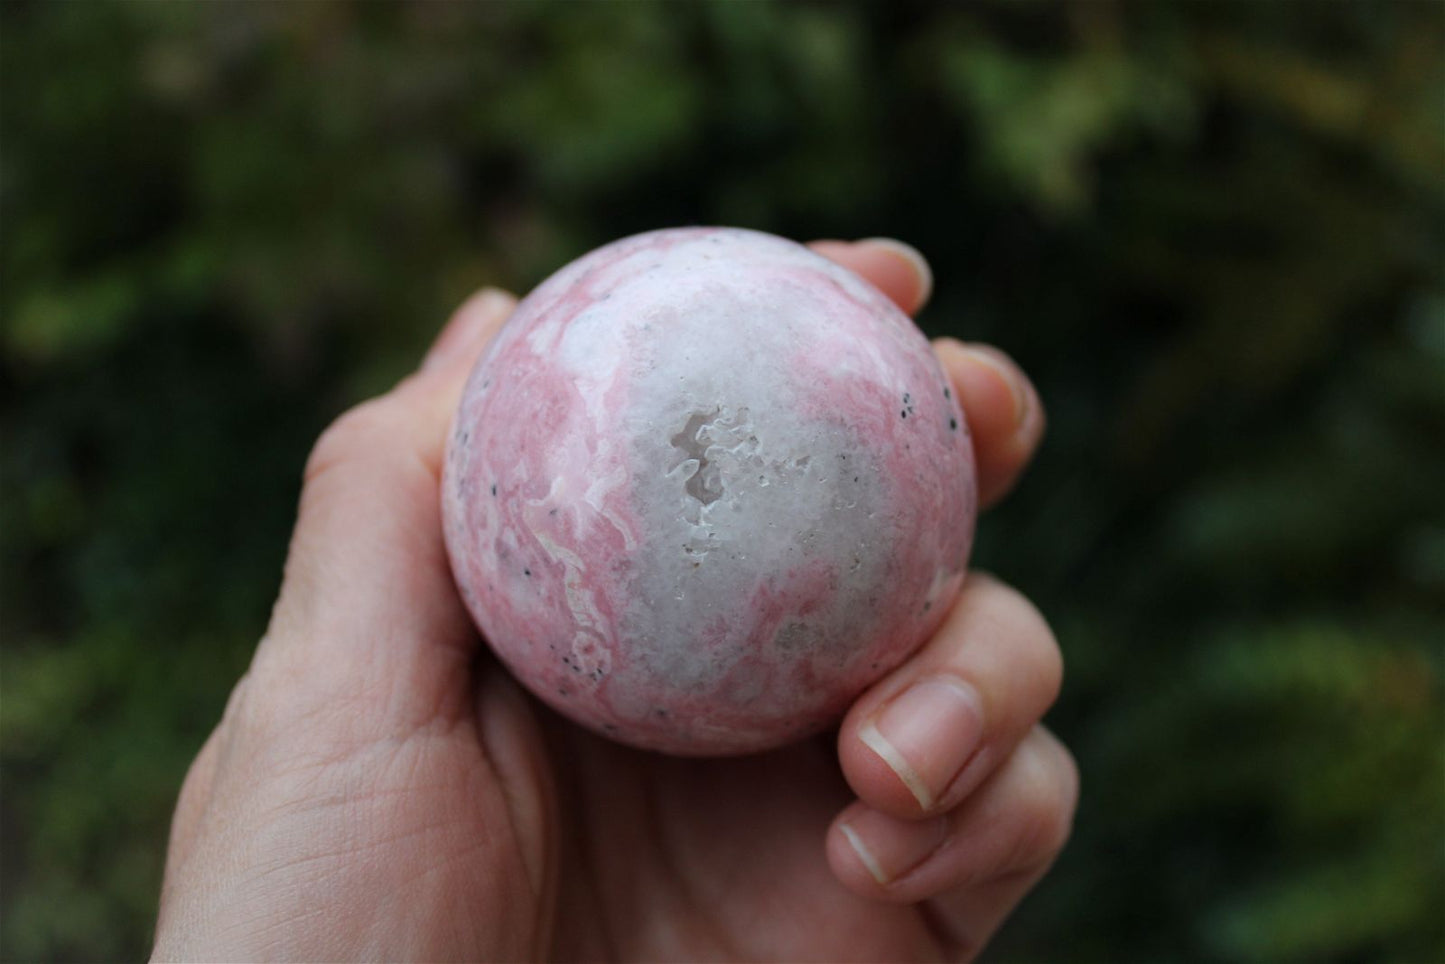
{"x": 378, "y": 787}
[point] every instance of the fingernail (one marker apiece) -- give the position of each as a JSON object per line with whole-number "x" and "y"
{"x": 927, "y": 734}
{"x": 914, "y": 258}
{"x": 891, "y": 848}
{"x": 990, "y": 359}
{"x": 476, "y": 314}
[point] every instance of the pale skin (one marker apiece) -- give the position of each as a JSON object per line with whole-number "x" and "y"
{"x": 379, "y": 789}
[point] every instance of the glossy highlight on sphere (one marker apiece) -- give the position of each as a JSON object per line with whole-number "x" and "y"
{"x": 704, "y": 488}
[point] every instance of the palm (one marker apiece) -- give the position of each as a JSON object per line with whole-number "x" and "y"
{"x": 668, "y": 858}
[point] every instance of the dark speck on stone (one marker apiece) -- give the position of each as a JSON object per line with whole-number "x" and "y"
{"x": 526, "y": 572}
{"x": 953, "y": 424}
{"x": 494, "y": 488}
{"x": 903, "y": 414}
{"x": 946, "y": 392}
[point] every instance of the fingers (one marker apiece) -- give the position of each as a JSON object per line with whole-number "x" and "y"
{"x": 367, "y": 603}
{"x": 894, "y": 268}
{"x": 929, "y": 733}
{"x": 976, "y": 861}
{"x": 1005, "y": 415}
{"x": 964, "y": 799}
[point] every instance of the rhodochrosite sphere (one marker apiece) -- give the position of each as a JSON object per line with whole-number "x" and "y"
{"x": 704, "y": 488}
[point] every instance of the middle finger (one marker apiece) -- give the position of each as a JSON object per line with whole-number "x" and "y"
{"x": 931, "y": 731}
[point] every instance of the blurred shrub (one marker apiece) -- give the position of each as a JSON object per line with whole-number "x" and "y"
{"x": 1212, "y": 231}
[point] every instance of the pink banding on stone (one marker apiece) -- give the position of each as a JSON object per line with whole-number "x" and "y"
{"x": 704, "y": 488}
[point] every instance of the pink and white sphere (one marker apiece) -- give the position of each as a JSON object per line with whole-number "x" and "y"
{"x": 704, "y": 488}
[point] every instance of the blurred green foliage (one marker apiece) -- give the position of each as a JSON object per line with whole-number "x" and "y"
{"x": 1212, "y": 231}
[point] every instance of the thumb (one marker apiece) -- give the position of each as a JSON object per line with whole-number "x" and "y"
{"x": 368, "y": 614}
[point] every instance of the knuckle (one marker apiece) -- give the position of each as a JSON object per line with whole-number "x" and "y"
{"x": 1066, "y": 782}
{"x": 1045, "y": 807}
{"x": 1034, "y": 641}
{"x": 1031, "y": 644}
{"x": 1046, "y": 658}
{"x": 352, "y": 433}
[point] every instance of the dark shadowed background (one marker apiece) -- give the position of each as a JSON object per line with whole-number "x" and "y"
{"x": 1213, "y": 232}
